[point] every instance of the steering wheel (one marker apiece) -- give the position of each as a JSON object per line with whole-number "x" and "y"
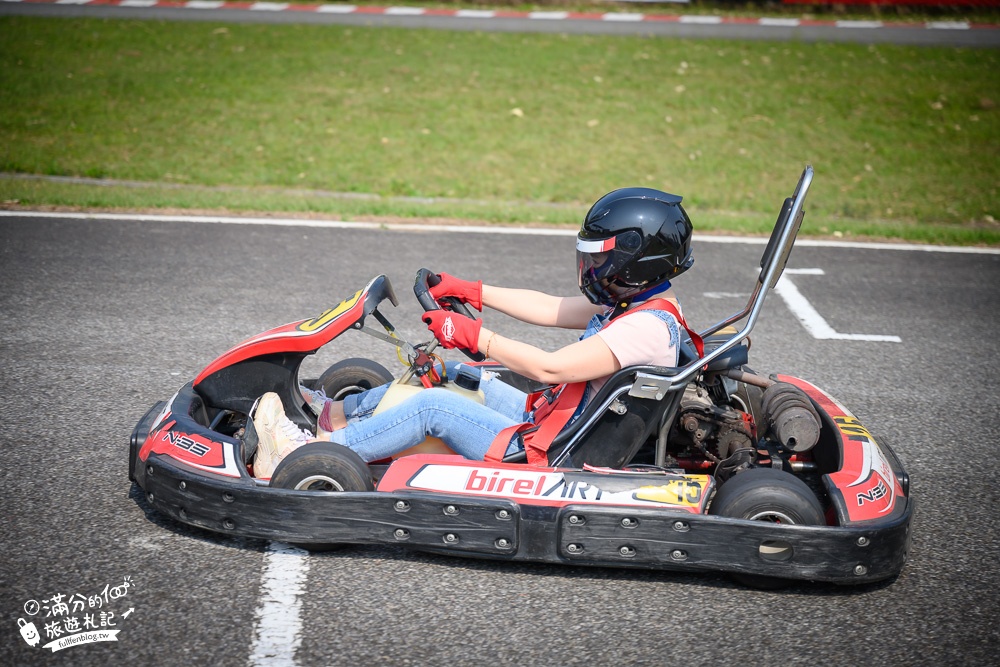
{"x": 422, "y": 290}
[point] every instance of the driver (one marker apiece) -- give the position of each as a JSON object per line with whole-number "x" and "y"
{"x": 632, "y": 242}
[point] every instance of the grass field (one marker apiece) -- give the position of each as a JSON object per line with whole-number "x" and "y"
{"x": 904, "y": 140}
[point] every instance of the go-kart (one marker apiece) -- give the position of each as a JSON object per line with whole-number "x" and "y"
{"x": 704, "y": 466}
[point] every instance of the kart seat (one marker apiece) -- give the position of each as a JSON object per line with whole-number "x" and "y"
{"x": 738, "y": 356}
{"x": 618, "y": 434}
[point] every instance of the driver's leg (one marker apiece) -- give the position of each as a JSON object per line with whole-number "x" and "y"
{"x": 332, "y": 415}
{"x": 331, "y": 418}
{"x": 466, "y": 427}
{"x": 335, "y": 415}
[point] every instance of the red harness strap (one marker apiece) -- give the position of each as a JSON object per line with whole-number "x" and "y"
{"x": 550, "y": 416}
{"x": 551, "y": 410}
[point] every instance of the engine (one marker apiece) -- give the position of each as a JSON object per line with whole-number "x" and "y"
{"x": 714, "y": 429}
{"x": 706, "y": 430}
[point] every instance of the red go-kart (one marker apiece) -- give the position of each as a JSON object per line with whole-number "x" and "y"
{"x": 705, "y": 466}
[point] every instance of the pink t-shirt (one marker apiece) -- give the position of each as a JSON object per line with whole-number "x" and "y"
{"x": 640, "y": 339}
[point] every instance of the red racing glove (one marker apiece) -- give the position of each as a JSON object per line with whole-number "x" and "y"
{"x": 463, "y": 290}
{"x": 453, "y": 330}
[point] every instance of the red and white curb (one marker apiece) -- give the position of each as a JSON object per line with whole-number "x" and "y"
{"x": 610, "y": 17}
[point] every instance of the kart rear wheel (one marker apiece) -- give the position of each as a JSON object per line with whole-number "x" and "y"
{"x": 352, "y": 376}
{"x": 766, "y": 494}
{"x": 322, "y": 466}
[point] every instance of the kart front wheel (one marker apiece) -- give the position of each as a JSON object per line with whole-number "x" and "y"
{"x": 765, "y": 494}
{"x": 352, "y": 376}
{"x": 322, "y": 466}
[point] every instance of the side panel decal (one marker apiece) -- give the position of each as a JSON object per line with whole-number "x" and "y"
{"x": 544, "y": 486}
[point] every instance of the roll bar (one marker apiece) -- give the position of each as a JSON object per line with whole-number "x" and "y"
{"x": 772, "y": 264}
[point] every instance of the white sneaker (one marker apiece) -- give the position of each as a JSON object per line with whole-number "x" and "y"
{"x": 314, "y": 398}
{"x": 277, "y": 435}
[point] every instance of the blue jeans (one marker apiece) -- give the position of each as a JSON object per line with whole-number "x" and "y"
{"x": 464, "y": 425}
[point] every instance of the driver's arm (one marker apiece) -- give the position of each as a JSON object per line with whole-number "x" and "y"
{"x": 584, "y": 360}
{"x": 534, "y": 307}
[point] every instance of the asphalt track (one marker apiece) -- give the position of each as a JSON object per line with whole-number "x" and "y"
{"x": 101, "y": 318}
{"x": 633, "y": 23}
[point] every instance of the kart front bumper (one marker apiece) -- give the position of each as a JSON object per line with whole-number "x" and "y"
{"x": 502, "y": 529}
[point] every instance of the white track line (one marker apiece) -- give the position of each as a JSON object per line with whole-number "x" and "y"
{"x": 278, "y": 628}
{"x": 472, "y": 229}
{"x": 810, "y": 318}
{"x": 293, "y": 222}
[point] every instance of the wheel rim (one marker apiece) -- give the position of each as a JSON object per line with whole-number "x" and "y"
{"x": 319, "y": 483}
{"x": 772, "y": 516}
{"x": 348, "y": 391}
{"x": 774, "y": 550}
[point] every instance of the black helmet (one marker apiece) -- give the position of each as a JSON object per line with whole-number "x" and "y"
{"x": 632, "y": 240}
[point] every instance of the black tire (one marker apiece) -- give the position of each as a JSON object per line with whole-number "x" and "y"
{"x": 352, "y": 376}
{"x": 322, "y": 466}
{"x": 766, "y": 494}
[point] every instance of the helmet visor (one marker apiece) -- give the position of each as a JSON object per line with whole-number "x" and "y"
{"x": 601, "y": 261}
